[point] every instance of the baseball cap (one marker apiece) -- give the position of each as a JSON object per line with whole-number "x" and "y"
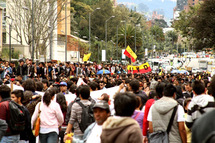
{"x": 101, "y": 104}
{"x": 63, "y": 83}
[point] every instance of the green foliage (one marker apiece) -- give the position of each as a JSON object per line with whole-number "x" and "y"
{"x": 157, "y": 32}
{"x": 5, "y": 53}
{"x": 173, "y": 36}
{"x": 161, "y": 23}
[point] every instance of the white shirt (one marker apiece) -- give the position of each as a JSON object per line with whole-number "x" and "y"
{"x": 95, "y": 134}
{"x": 180, "y": 112}
{"x": 70, "y": 97}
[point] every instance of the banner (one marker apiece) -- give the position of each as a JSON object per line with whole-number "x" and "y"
{"x": 129, "y": 53}
{"x": 103, "y": 55}
{"x": 144, "y": 68}
{"x": 86, "y": 57}
{"x": 132, "y": 69}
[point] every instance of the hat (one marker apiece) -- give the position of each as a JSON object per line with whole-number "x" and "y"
{"x": 101, "y": 104}
{"x": 63, "y": 83}
{"x": 12, "y": 79}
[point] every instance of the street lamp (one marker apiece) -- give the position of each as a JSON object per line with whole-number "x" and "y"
{"x": 10, "y": 28}
{"x": 135, "y": 36}
{"x": 106, "y": 34}
{"x": 90, "y": 27}
{"x": 125, "y": 32}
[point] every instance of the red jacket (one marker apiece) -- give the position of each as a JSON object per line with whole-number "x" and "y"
{"x": 148, "y": 105}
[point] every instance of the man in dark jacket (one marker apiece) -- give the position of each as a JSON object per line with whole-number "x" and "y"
{"x": 22, "y": 69}
{"x": 10, "y": 136}
{"x": 3, "y": 128}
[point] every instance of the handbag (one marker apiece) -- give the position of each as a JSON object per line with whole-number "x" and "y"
{"x": 163, "y": 136}
{"x": 36, "y": 129}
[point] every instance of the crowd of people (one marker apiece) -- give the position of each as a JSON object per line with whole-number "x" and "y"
{"x": 63, "y": 96}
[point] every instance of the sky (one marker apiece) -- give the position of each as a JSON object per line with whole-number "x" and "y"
{"x": 164, "y": 7}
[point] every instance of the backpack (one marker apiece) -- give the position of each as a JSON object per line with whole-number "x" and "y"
{"x": 17, "y": 117}
{"x": 163, "y": 136}
{"x": 86, "y": 116}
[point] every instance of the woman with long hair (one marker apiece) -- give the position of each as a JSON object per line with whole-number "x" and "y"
{"x": 61, "y": 100}
{"x": 51, "y": 117}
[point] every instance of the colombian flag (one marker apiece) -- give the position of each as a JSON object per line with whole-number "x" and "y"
{"x": 129, "y": 53}
{"x": 86, "y": 57}
{"x": 132, "y": 69}
{"x": 144, "y": 68}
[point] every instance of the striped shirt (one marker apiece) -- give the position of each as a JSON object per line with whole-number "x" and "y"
{"x": 76, "y": 116}
{"x": 199, "y": 105}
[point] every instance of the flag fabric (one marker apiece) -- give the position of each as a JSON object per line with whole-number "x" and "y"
{"x": 132, "y": 69}
{"x": 144, "y": 68}
{"x": 129, "y": 53}
{"x": 86, "y": 57}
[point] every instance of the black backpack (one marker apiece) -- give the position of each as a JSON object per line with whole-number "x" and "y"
{"x": 86, "y": 116}
{"x": 17, "y": 117}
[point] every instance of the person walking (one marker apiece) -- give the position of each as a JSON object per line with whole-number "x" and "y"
{"x": 51, "y": 117}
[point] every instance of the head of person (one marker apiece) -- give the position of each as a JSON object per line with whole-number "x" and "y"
{"x": 21, "y": 62}
{"x": 84, "y": 92}
{"x": 101, "y": 111}
{"x": 4, "y": 92}
{"x": 61, "y": 100}
{"x": 93, "y": 86}
{"x": 48, "y": 96}
{"x": 63, "y": 86}
{"x": 169, "y": 90}
{"x": 138, "y": 102}
{"x": 134, "y": 85}
{"x": 125, "y": 104}
{"x": 73, "y": 88}
{"x": 49, "y": 63}
{"x": 39, "y": 86}
{"x": 29, "y": 84}
{"x": 104, "y": 97}
{"x": 153, "y": 94}
{"x": 45, "y": 83}
{"x": 17, "y": 96}
{"x": 198, "y": 87}
{"x": 27, "y": 97}
{"x": 159, "y": 89}
{"x": 188, "y": 87}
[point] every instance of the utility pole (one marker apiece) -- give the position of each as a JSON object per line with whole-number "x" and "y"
{"x": 32, "y": 30}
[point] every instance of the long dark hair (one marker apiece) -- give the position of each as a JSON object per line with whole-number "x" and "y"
{"x": 48, "y": 96}
{"x": 61, "y": 100}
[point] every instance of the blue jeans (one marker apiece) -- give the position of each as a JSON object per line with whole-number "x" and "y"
{"x": 10, "y": 139}
{"x": 51, "y": 137}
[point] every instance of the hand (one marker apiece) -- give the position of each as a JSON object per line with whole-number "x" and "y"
{"x": 66, "y": 137}
{"x": 121, "y": 86}
{"x": 145, "y": 140}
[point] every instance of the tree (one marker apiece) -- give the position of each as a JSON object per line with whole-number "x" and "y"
{"x": 161, "y": 23}
{"x": 173, "y": 37}
{"x": 157, "y": 32}
{"x": 203, "y": 24}
{"x": 46, "y": 15}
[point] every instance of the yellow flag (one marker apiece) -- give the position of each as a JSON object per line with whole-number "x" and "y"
{"x": 86, "y": 57}
{"x": 129, "y": 53}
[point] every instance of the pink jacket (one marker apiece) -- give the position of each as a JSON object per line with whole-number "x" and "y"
{"x": 50, "y": 117}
